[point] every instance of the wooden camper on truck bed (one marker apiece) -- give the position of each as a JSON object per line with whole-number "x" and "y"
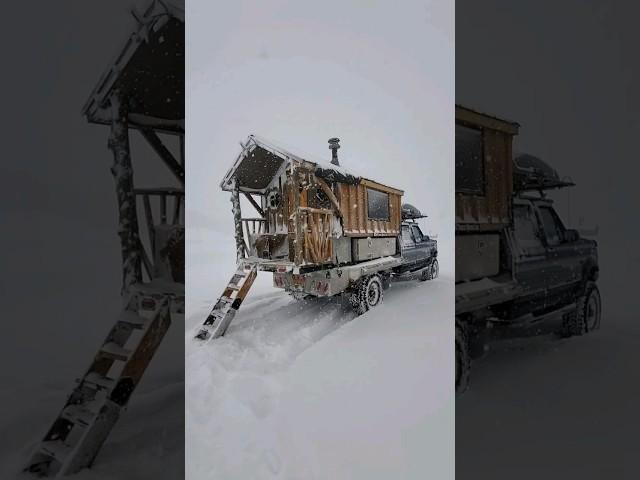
{"x": 484, "y": 188}
{"x": 310, "y": 214}
{"x": 320, "y": 229}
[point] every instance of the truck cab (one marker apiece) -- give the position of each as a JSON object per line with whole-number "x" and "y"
{"x": 419, "y": 252}
{"x": 551, "y": 263}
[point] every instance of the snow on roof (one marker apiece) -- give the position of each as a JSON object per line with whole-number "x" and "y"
{"x": 279, "y": 149}
{"x": 269, "y": 166}
{"x": 152, "y": 55}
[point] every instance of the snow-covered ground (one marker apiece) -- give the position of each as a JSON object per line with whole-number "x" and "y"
{"x": 305, "y": 390}
{"x": 559, "y": 408}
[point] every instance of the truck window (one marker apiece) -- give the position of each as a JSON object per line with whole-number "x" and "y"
{"x": 553, "y": 227}
{"x": 526, "y": 230}
{"x": 417, "y": 233}
{"x": 469, "y": 160}
{"x": 406, "y": 236}
{"x": 377, "y": 205}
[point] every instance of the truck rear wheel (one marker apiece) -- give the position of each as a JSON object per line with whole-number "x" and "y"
{"x": 586, "y": 318}
{"x": 367, "y": 294}
{"x": 463, "y": 360}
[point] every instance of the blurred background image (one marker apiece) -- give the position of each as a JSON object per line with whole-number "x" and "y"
{"x": 566, "y": 73}
{"x": 63, "y": 265}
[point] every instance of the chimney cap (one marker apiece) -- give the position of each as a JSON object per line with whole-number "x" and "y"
{"x": 334, "y": 145}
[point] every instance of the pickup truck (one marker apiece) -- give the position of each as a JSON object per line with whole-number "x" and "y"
{"x": 547, "y": 280}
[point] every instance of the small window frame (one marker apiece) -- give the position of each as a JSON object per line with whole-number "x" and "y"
{"x": 419, "y": 231}
{"x": 559, "y": 226}
{"x": 481, "y": 190}
{"x": 388, "y": 196}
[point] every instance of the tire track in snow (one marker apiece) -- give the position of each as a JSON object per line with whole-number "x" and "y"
{"x": 233, "y": 383}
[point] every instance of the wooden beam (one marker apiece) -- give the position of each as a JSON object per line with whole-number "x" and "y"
{"x": 329, "y": 193}
{"x": 164, "y": 153}
{"x": 148, "y": 213}
{"x": 381, "y": 187}
{"x": 241, "y": 248}
{"x": 297, "y": 224}
{"x": 122, "y": 171}
{"x": 322, "y": 211}
{"x": 176, "y": 210}
{"x": 254, "y": 203}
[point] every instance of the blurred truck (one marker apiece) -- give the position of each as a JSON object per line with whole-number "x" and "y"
{"x": 519, "y": 270}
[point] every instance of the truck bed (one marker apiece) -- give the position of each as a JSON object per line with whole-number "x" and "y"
{"x": 485, "y": 292}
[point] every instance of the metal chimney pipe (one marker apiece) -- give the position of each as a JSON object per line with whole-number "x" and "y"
{"x": 334, "y": 145}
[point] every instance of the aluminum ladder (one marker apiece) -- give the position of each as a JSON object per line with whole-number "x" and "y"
{"x": 95, "y": 404}
{"x": 228, "y": 304}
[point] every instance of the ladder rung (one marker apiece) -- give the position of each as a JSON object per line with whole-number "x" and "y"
{"x": 115, "y": 351}
{"x": 99, "y": 380}
{"x": 78, "y": 414}
{"x": 222, "y": 303}
{"x": 55, "y": 448}
{"x": 133, "y": 318}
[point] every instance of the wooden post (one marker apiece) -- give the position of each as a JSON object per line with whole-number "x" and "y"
{"x": 237, "y": 219}
{"x": 122, "y": 171}
{"x": 297, "y": 217}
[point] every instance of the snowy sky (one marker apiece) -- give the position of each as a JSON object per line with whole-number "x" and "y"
{"x": 378, "y": 75}
{"x": 568, "y": 73}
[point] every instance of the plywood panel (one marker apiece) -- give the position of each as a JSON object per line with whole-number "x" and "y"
{"x": 353, "y": 203}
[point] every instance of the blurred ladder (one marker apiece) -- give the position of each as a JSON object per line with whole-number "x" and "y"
{"x": 94, "y": 406}
{"x": 228, "y": 304}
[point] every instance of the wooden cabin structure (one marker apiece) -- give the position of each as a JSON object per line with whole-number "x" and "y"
{"x": 484, "y": 172}
{"x": 309, "y": 213}
{"x": 484, "y": 191}
{"x": 142, "y": 90}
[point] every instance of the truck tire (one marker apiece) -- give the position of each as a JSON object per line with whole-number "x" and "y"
{"x": 463, "y": 360}
{"x": 435, "y": 269}
{"x": 430, "y": 272}
{"x": 590, "y": 307}
{"x": 586, "y": 317}
{"x": 367, "y": 294}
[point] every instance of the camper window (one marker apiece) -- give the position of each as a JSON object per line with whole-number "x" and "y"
{"x": 469, "y": 160}
{"x": 377, "y": 205}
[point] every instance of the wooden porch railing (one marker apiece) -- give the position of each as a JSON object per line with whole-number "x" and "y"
{"x": 317, "y": 228}
{"x": 169, "y": 204}
{"x": 254, "y": 226}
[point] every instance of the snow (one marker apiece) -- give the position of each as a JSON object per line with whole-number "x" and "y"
{"x": 302, "y": 389}
{"x": 563, "y": 406}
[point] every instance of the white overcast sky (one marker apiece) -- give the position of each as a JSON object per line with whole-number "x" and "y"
{"x": 379, "y": 75}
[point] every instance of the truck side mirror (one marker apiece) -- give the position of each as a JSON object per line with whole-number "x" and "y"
{"x": 571, "y": 236}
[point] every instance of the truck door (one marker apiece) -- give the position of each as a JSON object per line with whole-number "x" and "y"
{"x": 408, "y": 245}
{"x": 422, "y": 244}
{"x": 564, "y": 263}
{"x": 529, "y": 252}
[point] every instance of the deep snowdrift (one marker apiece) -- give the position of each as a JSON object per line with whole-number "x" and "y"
{"x": 305, "y": 390}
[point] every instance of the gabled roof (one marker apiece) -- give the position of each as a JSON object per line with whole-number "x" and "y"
{"x": 261, "y": 159}
{"x": 474, "y": 117}
{"x": 148, "y": 69}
